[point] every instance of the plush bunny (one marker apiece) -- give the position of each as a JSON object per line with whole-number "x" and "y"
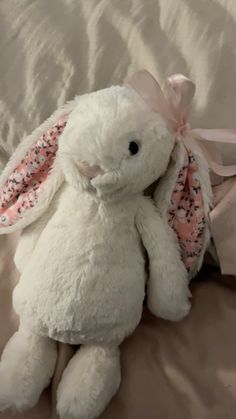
{"x": 76, "y": 187}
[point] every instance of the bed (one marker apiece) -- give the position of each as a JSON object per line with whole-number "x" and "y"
{"x": 51, "y": 51}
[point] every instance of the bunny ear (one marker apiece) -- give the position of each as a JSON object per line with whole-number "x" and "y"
{"x": 183, "y": 197}
{"x": 32, "y": 176}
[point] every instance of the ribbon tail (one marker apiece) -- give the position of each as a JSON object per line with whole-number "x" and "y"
{"x": 222, "y": 136}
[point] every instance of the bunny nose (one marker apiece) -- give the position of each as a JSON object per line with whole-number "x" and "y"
{"x": 89, "y": 171}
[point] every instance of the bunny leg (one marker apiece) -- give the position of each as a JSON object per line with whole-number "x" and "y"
{"x": 26, "y": 367}
{"x": 90, "y": 380}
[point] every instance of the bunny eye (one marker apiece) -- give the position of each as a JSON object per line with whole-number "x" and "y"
{"x": 133, "y": 148}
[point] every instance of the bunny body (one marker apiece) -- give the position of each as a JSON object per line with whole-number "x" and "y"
{"x": 82, "y": 261}
{"x": 88, "y": 286}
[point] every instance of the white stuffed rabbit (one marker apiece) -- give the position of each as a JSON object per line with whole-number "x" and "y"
{"x": 77, "y": 185}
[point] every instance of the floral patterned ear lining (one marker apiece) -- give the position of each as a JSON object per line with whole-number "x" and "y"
{"x": 21, "y": 190}
{"x": 186, "y": 213}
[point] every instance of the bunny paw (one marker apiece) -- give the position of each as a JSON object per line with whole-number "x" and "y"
{"x": 172, "y": 306}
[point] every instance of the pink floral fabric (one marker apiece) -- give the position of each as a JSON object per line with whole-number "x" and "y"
{"x": 21, "y": 190}
{"x": 186, "y": 214}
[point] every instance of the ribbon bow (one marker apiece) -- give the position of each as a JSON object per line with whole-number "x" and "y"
{"x": 174, "y": 104}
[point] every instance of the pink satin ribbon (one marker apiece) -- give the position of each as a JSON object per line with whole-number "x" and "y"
{"x": 176, "y": 99}
{"x": 174, "y": 104}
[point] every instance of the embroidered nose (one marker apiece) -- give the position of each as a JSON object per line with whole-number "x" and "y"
{"x": 89, "y": 171}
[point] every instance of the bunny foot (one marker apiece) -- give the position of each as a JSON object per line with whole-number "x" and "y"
{"x": 88, "y": 383}
{"x": 26, "y": 367}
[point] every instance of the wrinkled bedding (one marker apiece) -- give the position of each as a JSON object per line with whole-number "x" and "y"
{"x": 53, "y": 50}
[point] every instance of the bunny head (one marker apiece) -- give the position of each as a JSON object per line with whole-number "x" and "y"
{"x": 114, "y": 144}
{"x": 110, "y": 143}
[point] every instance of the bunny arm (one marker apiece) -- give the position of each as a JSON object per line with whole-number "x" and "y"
{"x": 168, "y": 292}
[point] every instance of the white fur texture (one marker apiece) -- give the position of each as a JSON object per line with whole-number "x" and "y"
{"x": 88, "y": 383}
{"x": 26, "y": 367}
{"x": 168, "y": 290}
{"x": 31, "y": 233}
{"x": 83, "y": 273}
